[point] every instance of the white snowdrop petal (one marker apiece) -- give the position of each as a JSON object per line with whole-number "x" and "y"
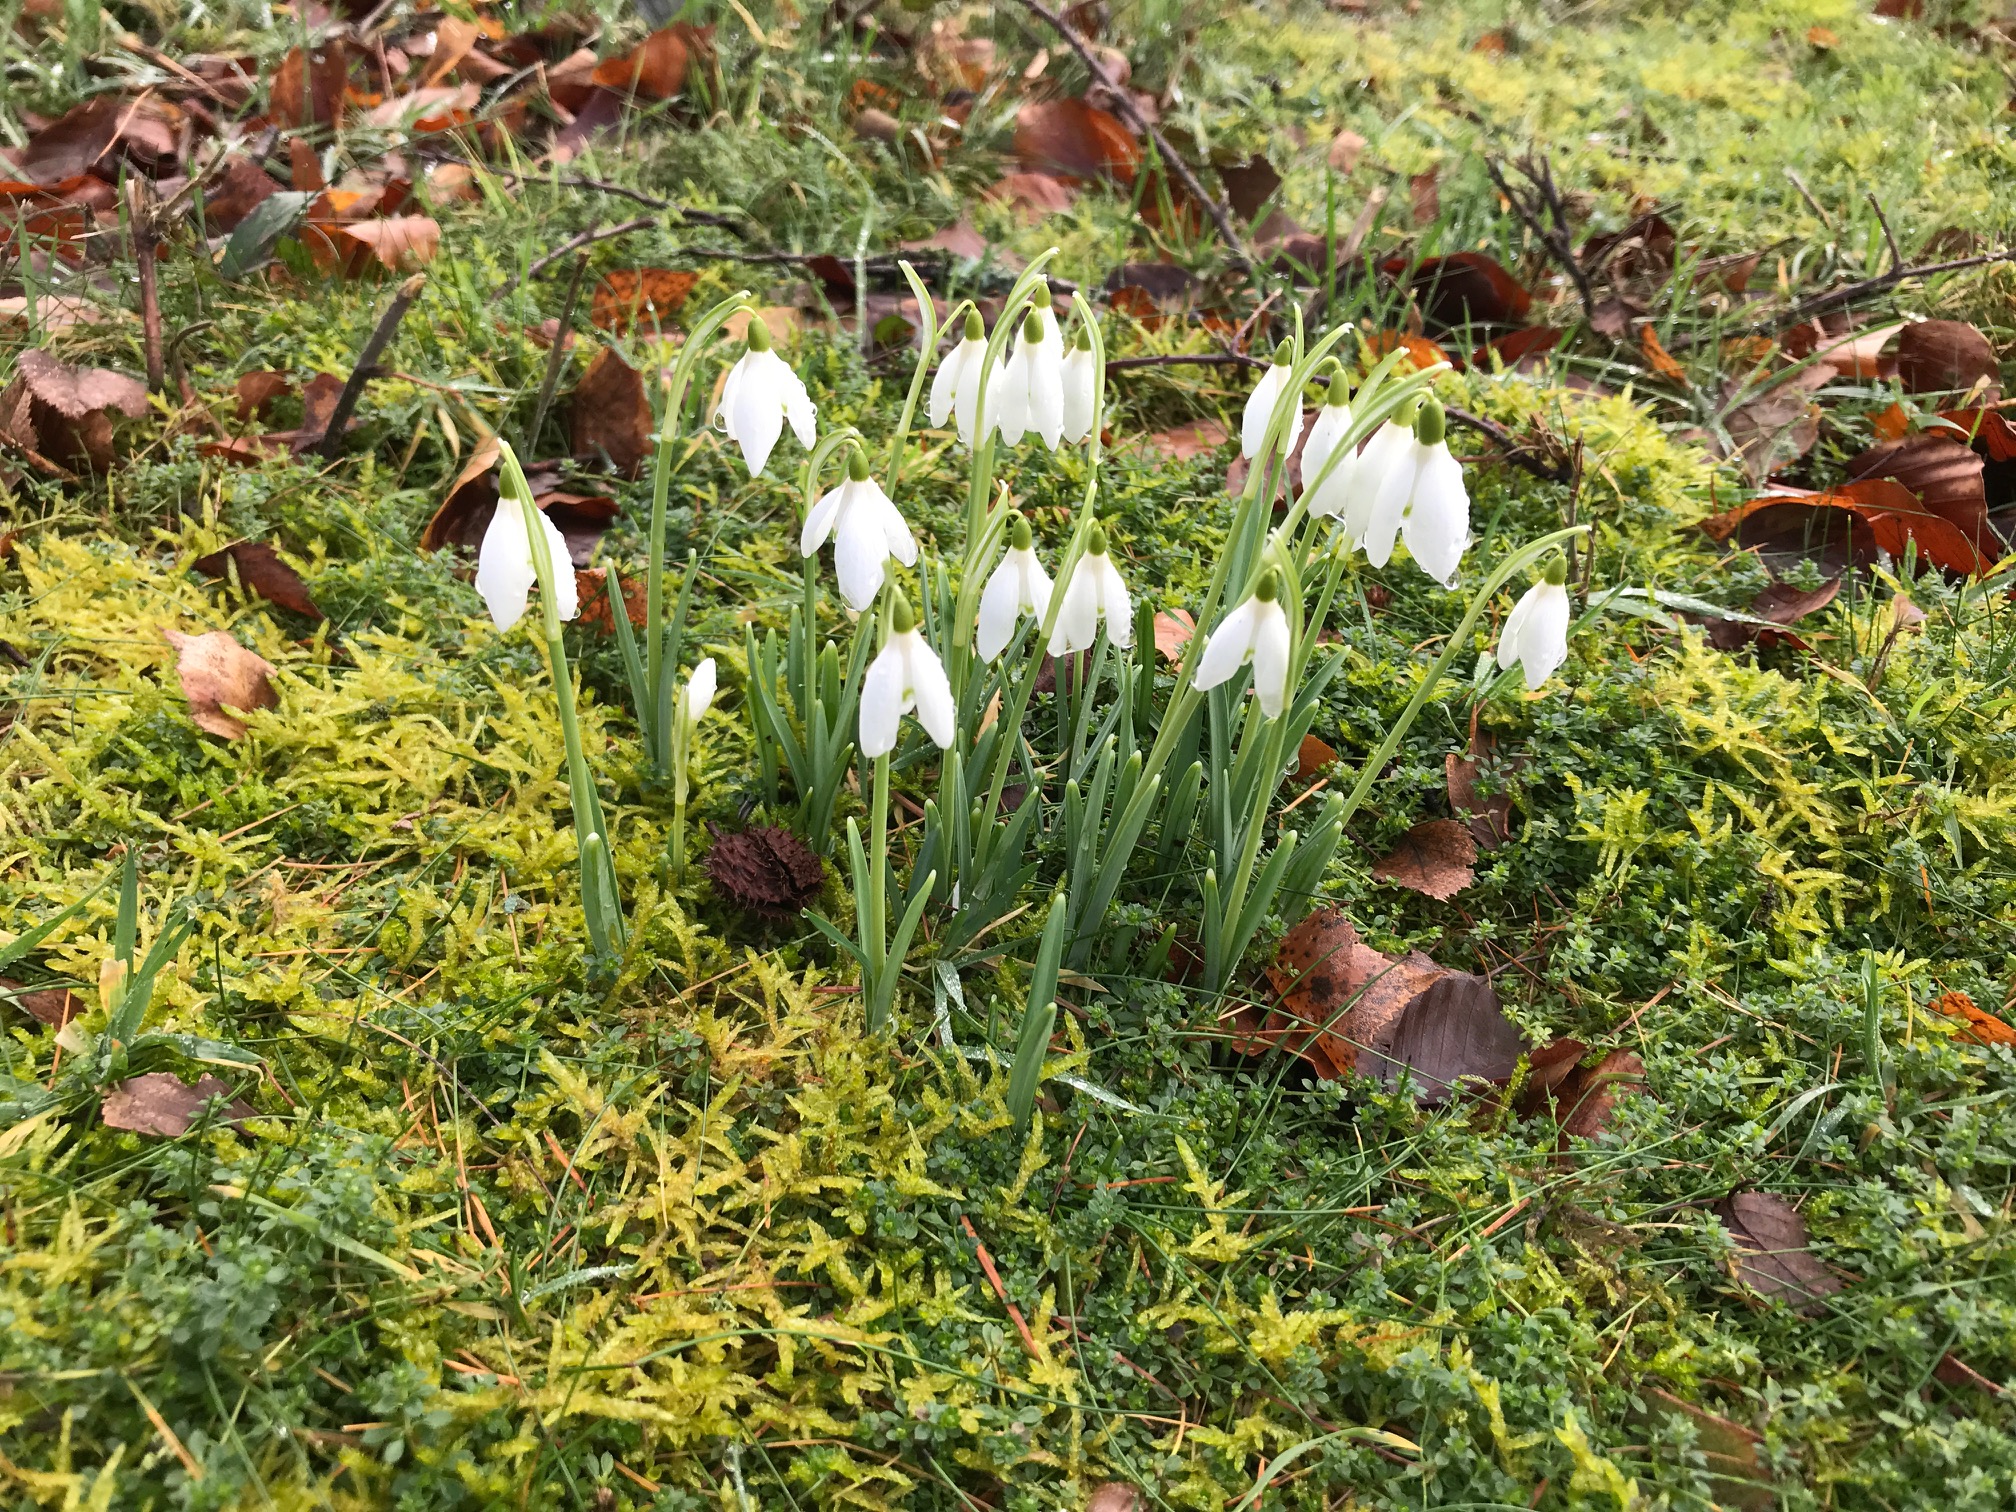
{"x": 1000, "y": 611}
{"x": 859, "y": 550}
{"x": 504, "y": 574}
{"x": 566, "y": 597}
{"x": 933, "y": 693}
{"x": 1079, "y": 395}
{"x": 700, "y": 690}
{"x": 819, "y": 523}
{"x": 1227, "y": 648}
{"x": 1270, "y": 659}
{"x": 1260, "y": 409}
{"x": 1046, "y": 390}
{"x": 882, "y": 701}
{"x": 757, "y": 419}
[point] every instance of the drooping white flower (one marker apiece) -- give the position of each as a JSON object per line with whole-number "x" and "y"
{"x": 867, "y": 529}
{"x": 1327, "y": 499}
{"x": 1536, "y": 631}
{"x": 760, "y": 395}
{"x": 1095, "y": 592}
{"x": 504, "y": 571}
{"x": 1081, "y": 399}
{"x": 1414, "y": 488}
{"x": 955, "y": 392}
{"x": 698, "y": 695}
{"x": 1018, "y": 586}
{"x": 1261, "y": 402}
{"x": 1257, "y": 631}
{"x": 1032, "y": 381}
{"x": 906, "y": 674}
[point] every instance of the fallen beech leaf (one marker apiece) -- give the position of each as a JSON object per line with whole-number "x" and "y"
{"x": 1772, "y": 1258}
{"x": 1889, "y": 513}
{"x": 1423, "y": 352}
{"x": 1345, "y": 149}
{"x": 1462, "y": 288}
{"x": 1334, "y": 993}
{"x": 875, "y": 125}
{"x": 1588, "y": 1095}
{"x": 258, "y": 389}
{"x": 1075, "y": 139}
{"x": 1173, "y": 629}
{"x": 1946, "y": 476}
{"x": 1314, "y": 754}
{"x": 1657, "y": 357}
{"x": 308, "y": 86}
{"x": 600, "y": 112}
{"x": 239, "y": 188}
{"x": 1436, "y": 858}
{"x": 1187, "y": 441}
{"x": 262, "y": 572}
{"x": 399, "y": 243}
{"x": 1453, "y": 1032}
{"x": 1730, "y": 1451}
{"x": 1954, "y": 1371}
{"x": 1114, "y": 1496}
{"x": 655, "y": 69}
{"x": 427, "y": 109}
{"x": 219, "y": 674}
{"x": 454, "y": 40}
{"x": 1612, "y": 317}
{"x": 1249, "y": 186}
{"x": 1490, "y": 819}
{"x": 86, "y": 135}
{"x": 465, "y": 512}
{"x": 1891, "y": 423}
{"x": 55, "y": 1006}
{"x": 1547, "y": 1068}
{"x": 960, "y": 239}
{"x": 1034, "y": 195}
{"x": 1781, "y": 603}
{"x": 612, "y": 414}
{"x": 1978, "y": 1027}
{"x": 159, "y": 1103}
{"x": 1642, "y": 254}
{"x": 1779, "y": 426}
{"x": 1986, "y": 428}
{"x": 76, "y": 392}
{"x": 1860, "y": 355}
{"x": 1519, "y": 351}
{"x": 591, "y": 589}
{"x": 632, "y": 296}
{"x": 1938, "y": 356}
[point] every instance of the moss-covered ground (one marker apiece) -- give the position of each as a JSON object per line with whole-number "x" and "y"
{"x": 510, "y": 1230}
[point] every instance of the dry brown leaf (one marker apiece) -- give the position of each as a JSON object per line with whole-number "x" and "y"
{"x": 1779, "y": 426}
{"x": 218, "y": 674}
{"x": 1187, "y": 441}
{"x": 655, "y": 69}
{"x": 1314, "y": 754}
{"x": 1975, "y": 1026}
{"x": 55, "y": 1006}
{"x": 257, "y": 390}
{"x": 630, "y": 297}
{"x": 1731, "y": 1451}
{"x": 261, "y": 571}
{"x": 1948, "y": 478}
{"x": 308, "y": 86}
{"x": 1424, "y": 198}
{"x": 1589, "y": 1094}
{"x": 960, "y": 239}
{"x": 398, "y": 243}
{"x": 1452, "y": 1032}
{"x": 1938, "y": 356}
{"x": 591, "y": 589}
{"x": 1436, "y": 858}
{"x": 1877, "y": 512}
{"x": 1077, "y": 140}
{"x": 612, "y": 414}
{"x": 1772, "y": 1257}
{"x": 1114, "y": 1496}
{"x": 1461, "y": 288}
{"x": 86, "y": 135}
{"x": 1334, "y": 993}
{"x": 1490, "y": 819}
{"x": 1033, "y": 195}
{"x": 239, "y": 188}
{"x": 1345, "y": 149}
{"x": 158, "y": 1103}
{"x": 76, "y": 392}
{"x": 1173, "y": 629}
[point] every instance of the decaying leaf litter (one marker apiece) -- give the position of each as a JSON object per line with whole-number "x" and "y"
{"x": 1616, "y": 1119}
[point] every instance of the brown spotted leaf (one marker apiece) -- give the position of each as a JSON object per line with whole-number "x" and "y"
{"x": 217, "y": 675}
{"x": 1489, "y": 819}
{"x": 1437, "y": 858}
{"x": 648, "y": 297}
{"x": 1334, "y": 993}
{"x": 158, "y": 1103}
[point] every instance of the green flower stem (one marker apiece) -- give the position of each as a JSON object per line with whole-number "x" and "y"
{"x": 598, "y": 874}
{"x": 928, "y": 312}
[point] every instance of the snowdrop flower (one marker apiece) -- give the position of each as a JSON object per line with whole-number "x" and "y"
{"x": 1414, "y": 488}
{"x": 504, "y": 570}
{"x": 698, "y": 695}
{"x": 955, "y": 392}
{"x": 760, "y": 395}
{"x": 1266, "y": 394}
{"x": 1536, "y": 631}
{"x": 1095, "y": 591}
{"x": 1081, "y": 399}
{"x": 906, "y": 674}
{"x": 1327, "y": 500}
{"x": 1018, "y": 586}
{"x": 867, "y": 529}
{"x": 1257, "y": 631}
{"x": 1032, "y": 383}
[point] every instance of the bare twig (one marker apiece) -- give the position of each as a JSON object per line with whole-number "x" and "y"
{"x": 1517, "y": 452}
{"x": 587, "y": 238}
{"x": 331, "y": 444}
{"x": 1186, "y": 359}
{"x": 1850, "y": 294}
{"x": 558, "y": 356}
{"x": 1896, "y": 256}
{"x": 729, "y": 223}
{"x": 140, "y": 211}
{"x": 1551, "y": 229}
{"x": 1811, "y": 203}
{"x": 1220, "y": 216}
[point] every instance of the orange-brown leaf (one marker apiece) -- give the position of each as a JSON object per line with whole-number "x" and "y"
{"x": 1437, "y": 858}
{"x": 639, "y": 296}
{"x": 218, "y": 674}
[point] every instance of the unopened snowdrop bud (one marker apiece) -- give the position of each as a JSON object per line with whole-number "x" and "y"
{"x": 697, "y": 697}
{"x": 1409, "y": 485}
{"x": 504, "y": 571}
{"x": 1256, "y": 631}
{"x": 1080, "y": 387}
{"x": 905, "y": 675}
{"x": 955, "y": 392}
{"x": 1017, "y": 587}
{"x": 1327, "y": 499}
{"x": 1266, "y": 394}
{"x": 1032, "y": 385}
{"x": 1095, "y": 592}
{"x": 867, "y": 529}
{"x": 1536, "y": 631}
{"x": 760, "y": 395}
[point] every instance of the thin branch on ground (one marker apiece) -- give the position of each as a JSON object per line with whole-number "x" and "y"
{"x": 1186, "y": 359}
{"x": 574, "y": 244}
{"x": 331, "y": 444}
{"x": 1220, "y": 216}
{"x": 734, "y": 225}
{"x": 1896, "y": 254}
{"x": 1544, "y": 215}
{"x": 1849, "y": 294}
{"x": 1519, "y": 453}
{"x": 557, "y": 357}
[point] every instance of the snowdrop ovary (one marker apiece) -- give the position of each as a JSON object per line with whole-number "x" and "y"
{"x": 1018, "y": 586}
{"x": 1536, "y": 631}
{"x": 1032, "y": 383}
{"x": 1265, "y": 396}
{"x": 760, "y": 395}
{"x": 1410, "y": 486}
{"x": 504, "y": 570}
{"x": 867, "y": 529}
{"x": 905, "y": 675}
{"x": 1096, "y": 592}
{"x": 1327, "y": 499}
{"x": 1081, "y": 381}
{"x": 955, "y": 392}
{"x": 1258, "y": 631}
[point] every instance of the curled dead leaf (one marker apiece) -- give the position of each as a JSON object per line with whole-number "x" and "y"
{"x": 1870, "y": 514}
{"x": 1947, "y": 477}
{"x": 1941, "y": 356}
{"x": 218, "y": 674}
{"x": 1463, "y": 288}
{"x": 1489, "y": 819}
{"x": 1437, "y": 858}
{"x": 1453, "y": 1032}
{"x": 655, "y": 69}
{"x": 612, "y": 417}
{"x": 1077, "y": 140}
{"x": 1173, "y": 629}
{"x": 260, "y": 570}
{"x": 54, "y": 1006}
{"x": 1976, "y": 1026}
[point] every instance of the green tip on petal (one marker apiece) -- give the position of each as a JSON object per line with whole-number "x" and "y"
{"x": 1269, "y": 587}
{"x": 976, "y": 328}
{"x": 1340, "y": 390}
{"x": 902, "y": 618}
{"x": 1431, "y": 424}
{"x": 1557, "y": 571}
{"x": 758, "y": 334}
{"x": 1019, "y": 533}
{"x": 1039, "y": 298}
{"x": 857, "y": 465}
{"x": 1032, "y": 328}
{"x": 1284, "y": 354}
{"x": 1095, "y": 543}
